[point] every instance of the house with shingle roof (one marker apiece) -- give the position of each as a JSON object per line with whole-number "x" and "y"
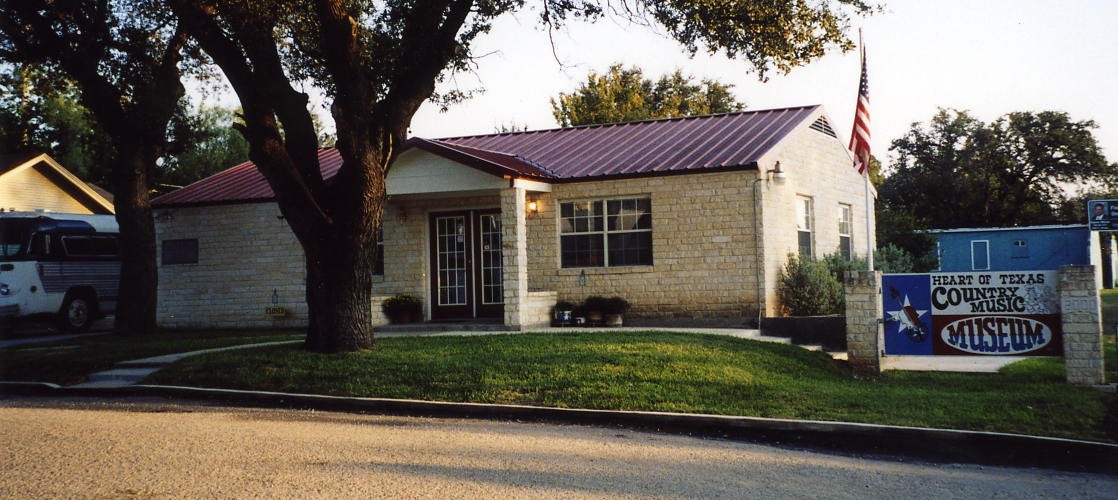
{"x": 689, "y": 219}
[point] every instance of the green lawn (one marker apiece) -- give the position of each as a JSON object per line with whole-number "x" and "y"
{"x": 662, "y": 372}
{"x": 69, "y": 361}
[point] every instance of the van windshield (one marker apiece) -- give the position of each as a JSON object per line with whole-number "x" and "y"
{"x": 13, "y": 237}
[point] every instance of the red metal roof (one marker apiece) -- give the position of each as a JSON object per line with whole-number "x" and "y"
{"x": 240, "y": 183}
{"x": 646, "y": 147}
{"x": 652, "y": 147}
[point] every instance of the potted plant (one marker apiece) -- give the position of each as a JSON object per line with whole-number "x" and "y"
{"x": 564, "y": 313}
{"x": 403, "y": 308}
{"x": 595, "y": 307}
{"x": 579, "y": 315}
{"x": 614, "y": 309}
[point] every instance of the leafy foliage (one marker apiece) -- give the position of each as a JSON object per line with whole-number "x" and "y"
{"x": 624, "y": 94}
{"x": 957, "y": 171}
{"x": 808, "y": 287}
{"x": 42, "y": 113}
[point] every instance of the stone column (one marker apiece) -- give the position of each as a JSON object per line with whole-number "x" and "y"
{"x": 1081, "y": 319}
{"x": 514, "y": 251}
{"x": 864, "y": 331}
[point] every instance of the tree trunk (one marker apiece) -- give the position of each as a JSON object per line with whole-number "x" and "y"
{"x": 135, "y": 313}
{"x": 339, "y": 261}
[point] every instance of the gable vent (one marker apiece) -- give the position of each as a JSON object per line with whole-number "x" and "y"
{"x": 823, "y": 126}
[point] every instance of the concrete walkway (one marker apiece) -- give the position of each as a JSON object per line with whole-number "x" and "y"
{"x": 132, "y": 372}
{"x": 971, "y": 364}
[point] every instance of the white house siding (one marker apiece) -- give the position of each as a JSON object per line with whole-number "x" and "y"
{"x": 28, "y": 189}
{"x": 818, "y": 166}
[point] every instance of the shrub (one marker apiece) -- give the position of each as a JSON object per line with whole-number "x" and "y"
{"x": 894, "y": 259}
{"x": 616, "y": 305}
{"x": 403, "y": 303}
{"x": 595, "y": 304}
{"x": 807, "y": 287}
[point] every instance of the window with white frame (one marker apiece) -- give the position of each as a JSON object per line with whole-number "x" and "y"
{"x": 606, "y": 233}
{"x": 980, "y": 255}
{"x": 846, "y": 230}
{"x": 805, "y": 224}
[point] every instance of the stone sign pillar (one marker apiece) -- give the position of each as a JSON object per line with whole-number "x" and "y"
{"x": 1082, "y": 325}
{"x": 864, "y": 331}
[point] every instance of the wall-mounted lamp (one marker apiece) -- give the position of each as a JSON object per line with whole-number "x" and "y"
{"x": 776, "y": 174}
{"x": 533, "y": 207}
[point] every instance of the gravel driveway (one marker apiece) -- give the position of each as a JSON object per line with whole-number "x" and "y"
{"x": 142, "y": 447}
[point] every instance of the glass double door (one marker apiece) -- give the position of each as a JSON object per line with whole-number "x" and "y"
{"x": 466, "y": 277}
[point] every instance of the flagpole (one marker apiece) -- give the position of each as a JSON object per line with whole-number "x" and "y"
{"x": 866, "y": 176}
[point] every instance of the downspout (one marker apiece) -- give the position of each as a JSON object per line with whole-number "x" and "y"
{"x": 758, "y": 250}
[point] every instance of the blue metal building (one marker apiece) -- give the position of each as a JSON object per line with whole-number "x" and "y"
{"x": 1021, "y": 249}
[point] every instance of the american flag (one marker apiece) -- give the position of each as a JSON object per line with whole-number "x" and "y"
{"x": 860, "y": 136}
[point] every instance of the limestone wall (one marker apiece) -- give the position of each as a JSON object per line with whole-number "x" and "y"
{"x": 702, "y": 238}
{"x": 816, "y": 166}
{"x": 245, "y": 253}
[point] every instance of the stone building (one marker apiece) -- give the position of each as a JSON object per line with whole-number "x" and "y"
{"x": 690, "y": 219}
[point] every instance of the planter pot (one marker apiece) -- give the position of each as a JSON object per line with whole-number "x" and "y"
{"x": 564, "y": 318}
{"x": 400, "y": 318}
{"x": 614, "y": 320}
{"x": 594, "y": 319}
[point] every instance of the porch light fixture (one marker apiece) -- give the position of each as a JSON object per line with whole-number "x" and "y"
{"x": 533, "y": 207}
{"x": 776, "y": 174}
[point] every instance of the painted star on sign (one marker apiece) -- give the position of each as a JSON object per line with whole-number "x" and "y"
{"x": 909, "y": 319}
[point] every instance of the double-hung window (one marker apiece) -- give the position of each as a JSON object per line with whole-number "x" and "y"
{"x": 845, "y": 230}
{"x": 606, "y": 233}
{"x": 805, "y": 224}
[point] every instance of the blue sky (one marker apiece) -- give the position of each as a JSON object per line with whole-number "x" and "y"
{"x": 989, "y": 57}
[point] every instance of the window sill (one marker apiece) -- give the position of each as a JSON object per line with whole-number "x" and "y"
{"x": 595, "y": 271}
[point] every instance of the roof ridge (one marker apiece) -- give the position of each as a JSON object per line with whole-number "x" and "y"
{"x": 518, "y": 157}
{"x": 628, "y": 123}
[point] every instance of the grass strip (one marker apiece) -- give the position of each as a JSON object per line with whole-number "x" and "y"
{"x": 68, "y": 362}
{"x": 661, "y": 371}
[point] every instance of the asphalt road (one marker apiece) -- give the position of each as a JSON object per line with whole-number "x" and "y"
{"x": 143, "y": 447}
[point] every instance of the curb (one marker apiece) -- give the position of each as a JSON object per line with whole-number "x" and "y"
{"x": 935, "y": 445}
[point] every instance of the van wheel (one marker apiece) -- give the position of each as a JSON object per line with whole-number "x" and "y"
{"x": 77, "y": 312}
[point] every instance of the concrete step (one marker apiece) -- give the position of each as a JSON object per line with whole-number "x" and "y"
{"x": 122, "y": 374}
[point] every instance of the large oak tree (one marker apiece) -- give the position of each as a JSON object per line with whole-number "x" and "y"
{"x": 958, "y": 171}
{"x": 125, "y": 57}
{"x": 378, "y": 62}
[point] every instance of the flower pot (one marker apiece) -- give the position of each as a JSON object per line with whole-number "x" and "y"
{"x": 614, "y": 320}
{"x": 564, "y": 318}
{"x": 400, "y": 318}
{"x": 594, "y": 319}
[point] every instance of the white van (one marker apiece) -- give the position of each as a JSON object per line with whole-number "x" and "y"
{"x": 66, "y": 265}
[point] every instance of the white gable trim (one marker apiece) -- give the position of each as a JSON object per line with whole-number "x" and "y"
{"x": 70, "y": 178}
{"x": 417, "y": 171}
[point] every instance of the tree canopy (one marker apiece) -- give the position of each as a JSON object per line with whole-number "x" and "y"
{"x": 957, "y": 171}
{"x": 624, "y": 94}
